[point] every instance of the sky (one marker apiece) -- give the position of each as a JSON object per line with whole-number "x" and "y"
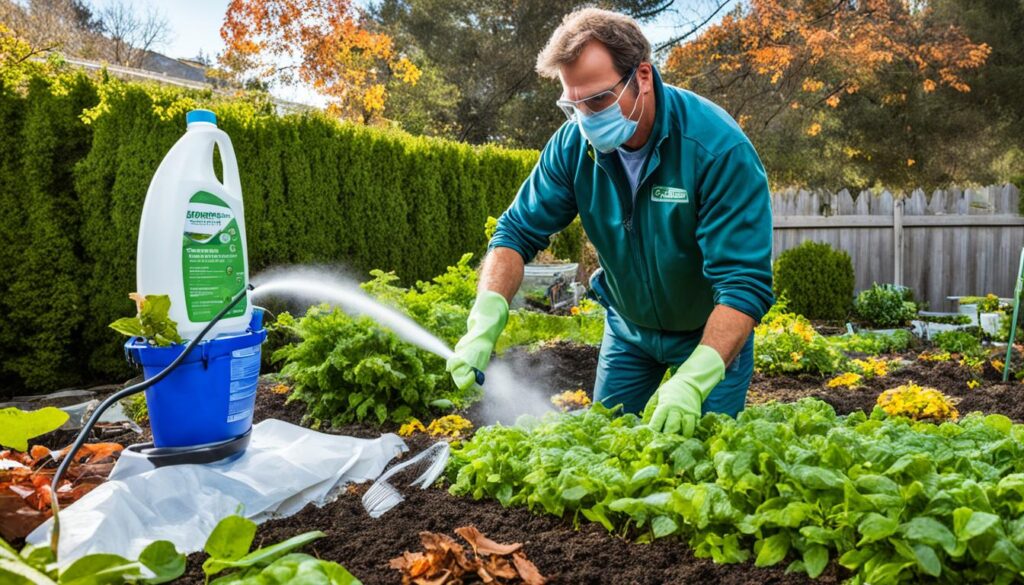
{"x": 195, "y": 27}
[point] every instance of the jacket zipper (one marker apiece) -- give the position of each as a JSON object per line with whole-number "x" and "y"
{"x": 634, "y": 236}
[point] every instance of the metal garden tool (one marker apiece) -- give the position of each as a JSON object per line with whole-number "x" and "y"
{"x": 382, "y": 496}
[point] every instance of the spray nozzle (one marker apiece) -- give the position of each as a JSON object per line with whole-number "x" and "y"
{"x": 479, "y": 377}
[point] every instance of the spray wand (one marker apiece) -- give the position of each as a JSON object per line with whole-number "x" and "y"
{"x": 135, "y": 389}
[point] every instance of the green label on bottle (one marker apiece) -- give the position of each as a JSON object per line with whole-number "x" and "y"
{"x": 212, "y": 258}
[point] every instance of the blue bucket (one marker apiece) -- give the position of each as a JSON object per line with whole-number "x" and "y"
{"x": 210, "y": 396}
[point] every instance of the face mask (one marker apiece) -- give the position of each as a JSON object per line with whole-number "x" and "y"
{"x": 609, "y": 128}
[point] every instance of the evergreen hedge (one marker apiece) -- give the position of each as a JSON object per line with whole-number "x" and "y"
{"x": 76, "y": 158}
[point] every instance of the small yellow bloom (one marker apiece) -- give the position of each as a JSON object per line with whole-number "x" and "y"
{"x": 972, "y": 384}
{"x": 916, "y": 402}
{"x": 847, "y": 380}
{"x": 571, "y": 400}
{"x": 281, "y": 389}
{"x": 796, "y": 356}
{"x": 998, "y": 365}
{"x": 575, "y": 311}
{"x": 414, "y": 425}
{"x": 451, "y": 426}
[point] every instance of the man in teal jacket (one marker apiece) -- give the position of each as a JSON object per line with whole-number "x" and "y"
{"x": 676, "y": 202}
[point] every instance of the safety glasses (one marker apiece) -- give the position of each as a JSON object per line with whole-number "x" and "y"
{"x": 598, "y": 102}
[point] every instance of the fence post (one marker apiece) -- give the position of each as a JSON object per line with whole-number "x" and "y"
{"x": 897, "y": 240}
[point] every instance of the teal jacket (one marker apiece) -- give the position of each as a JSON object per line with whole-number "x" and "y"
{"x": 699, "y": 234}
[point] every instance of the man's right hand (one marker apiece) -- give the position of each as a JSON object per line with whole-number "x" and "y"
{"x": 486, "y": 321}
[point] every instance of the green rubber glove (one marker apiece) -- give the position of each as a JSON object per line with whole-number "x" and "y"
{"x": 675, "y": 406}
{"x": 486, "y": 320}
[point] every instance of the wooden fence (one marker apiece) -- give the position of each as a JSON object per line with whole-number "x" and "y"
{"x": 953, "y": 242}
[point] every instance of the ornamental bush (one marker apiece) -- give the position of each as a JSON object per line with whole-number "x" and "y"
{"x": 884, "y": 306}
{"x": 817, "y": 280}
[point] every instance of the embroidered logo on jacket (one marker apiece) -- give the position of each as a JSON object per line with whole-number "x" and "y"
{"x": 669, "y": 194}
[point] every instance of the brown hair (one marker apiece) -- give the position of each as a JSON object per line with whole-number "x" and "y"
{"x": 620, "y": 33}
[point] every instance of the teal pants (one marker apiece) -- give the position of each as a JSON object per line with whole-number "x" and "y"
{"x": 634, "y": 359}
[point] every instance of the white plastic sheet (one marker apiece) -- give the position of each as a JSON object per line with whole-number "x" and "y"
{"x": 285, "y": 468}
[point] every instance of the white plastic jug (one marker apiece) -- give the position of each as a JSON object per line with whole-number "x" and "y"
{"x": 192, "y": 235}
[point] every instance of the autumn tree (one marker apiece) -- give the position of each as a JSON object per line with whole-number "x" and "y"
{"x": 483, "y": 53}
{"x": 69, "y": 26}
{"x": 320, "y": 43}
{"x": 785, "y": 69}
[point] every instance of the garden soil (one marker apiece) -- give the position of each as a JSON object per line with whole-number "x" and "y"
{"x": 563, "y": 553}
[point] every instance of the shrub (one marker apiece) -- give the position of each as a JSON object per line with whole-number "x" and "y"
{"x": 785, "y": 343}
{"x": 350, "y": 369}
{"x": 961, "y": 342}
{"x": 884, "y": 306}
{"x": 918, "y": 403}
{"x": 440, "y": 305}
{"x": 76, "y": 160}
{"x": 817, "y": 280}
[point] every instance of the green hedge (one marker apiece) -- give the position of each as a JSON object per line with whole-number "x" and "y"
{"x": 76, "y": 159}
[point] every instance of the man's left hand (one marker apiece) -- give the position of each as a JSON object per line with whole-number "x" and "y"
{"x": 677, "y": 403}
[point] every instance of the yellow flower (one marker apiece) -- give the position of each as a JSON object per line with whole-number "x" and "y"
{"x": 571, "y": 400}
{"x": 450, "y": 425}
{"x": 916, "y": 402}
{"x": 280, "y": 389}
{"x": 847, "y": 380}
{"x": 575, "y": 311}
{"x": 414, "y": 425}
{"x": 872, "y": 367}
{"x": 796, "y": 356}
{"x": 813, "y": 130}
{"x": 972, "y": 384}
{"x": 998, "y": 365}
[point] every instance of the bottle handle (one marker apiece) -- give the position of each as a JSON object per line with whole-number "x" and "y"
{"x": 231, "y": 181}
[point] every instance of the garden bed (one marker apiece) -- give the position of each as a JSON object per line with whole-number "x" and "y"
{"x": 562, "y": 553}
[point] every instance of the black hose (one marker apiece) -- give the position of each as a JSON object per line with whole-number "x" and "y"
{"x": 87, "y": 427}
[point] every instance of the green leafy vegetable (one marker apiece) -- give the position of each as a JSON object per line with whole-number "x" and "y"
{"x": 893, "y": 500}
{"x": 35, "y": 565}
{"x": 228, "y": 547}
{"x": 351, "y": 369}
{"x": 18, "y": 426}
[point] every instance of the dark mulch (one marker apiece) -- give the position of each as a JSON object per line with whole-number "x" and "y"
{"x": 993, "y": 396}
{"x": 564, "y": 555}
{"x": 561, "y": 552}
{"x": 559, "y": 365}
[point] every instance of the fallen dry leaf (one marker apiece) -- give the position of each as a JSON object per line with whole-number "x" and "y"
{"x": 25, "y": 492}
{"x": 446, "y": 562}
{"x": 527, "y": 570}
{"x": 483, "y": 545}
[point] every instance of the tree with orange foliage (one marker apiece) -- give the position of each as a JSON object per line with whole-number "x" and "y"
{"x": 810, "y": 53}
{"x": 319, "y": 43}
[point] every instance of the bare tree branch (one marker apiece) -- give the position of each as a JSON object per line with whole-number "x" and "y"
{"x": 132, "y": 34}
{"x": 719, "y": 6}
